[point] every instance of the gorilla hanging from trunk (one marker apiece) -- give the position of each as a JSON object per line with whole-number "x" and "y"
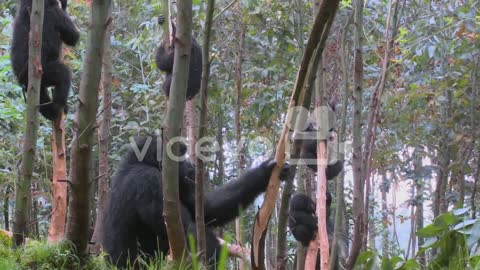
{"x": 58, "y": 28}
{"x": 164, "y": 60}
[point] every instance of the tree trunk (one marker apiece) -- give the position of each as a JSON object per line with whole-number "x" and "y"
{"x": 56, "y": 229}
{"x": 475, "y": 188}
{"x": 104, "y": 141}
{"x": 240, "y": 30}
{"x": 375, "y": 105}
{"x": 384, "y": 189}
{"x": 358, "y": 193}
{"x": 172, "y": 129}
{"x": 6, "y": 207}
{"x": 220, "y": 156}
{"x": 190, "y": 123}
{"x": 282, "y": 255}
{"x": 440, "y": 204}
{"x": 78, "y": 219}
{"x": 340, "y": 236}
{"x": 200, "y": 173}
{"x": 22, "y": 191}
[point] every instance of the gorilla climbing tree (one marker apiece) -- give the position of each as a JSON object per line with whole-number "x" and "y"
{"x": 58, "y": 28}
{"x": 78, "y": 219}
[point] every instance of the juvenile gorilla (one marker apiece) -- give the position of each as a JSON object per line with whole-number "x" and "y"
{"x": 164, "y": 60}
{"x": 134, "y": 220}
{"x": 57, "y": 28}
{"x": 302, "y": 219}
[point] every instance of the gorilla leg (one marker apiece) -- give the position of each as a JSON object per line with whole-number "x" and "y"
{"x": 302, "y": 219}
{"x": 58, "y": 75}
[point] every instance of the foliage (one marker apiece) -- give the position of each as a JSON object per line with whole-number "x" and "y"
{"x": 452, "y": 236}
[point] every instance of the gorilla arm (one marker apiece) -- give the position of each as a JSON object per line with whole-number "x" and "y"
{"x": 222, "y": 204}
{"x": 65, "y": 26}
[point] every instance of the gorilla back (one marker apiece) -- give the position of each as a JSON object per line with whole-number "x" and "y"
{"x": 57, "y": 28}
{"x": 164, "y": 60}
{"x": 134, "y": 217}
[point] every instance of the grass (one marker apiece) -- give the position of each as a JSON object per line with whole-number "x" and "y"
{"x": 40, "y": 255}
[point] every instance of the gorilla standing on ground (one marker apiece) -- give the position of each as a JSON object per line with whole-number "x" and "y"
{"x": 57, "y": 28}
{"x": 134, "y": 216}
{"x": 164, "y": 60}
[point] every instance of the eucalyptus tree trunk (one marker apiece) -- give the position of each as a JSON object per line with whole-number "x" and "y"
{"x": 240, "y": 29}
{"x": 22, "y": 190}
{"x": 384, "y": 188}
{"x": 288, "y": 187}
{"x": 56, "y": 229}
{"x": 358, "y": 186}
{"x": 202, "y": 132}
{"x": 440, "y": 204}
{"x": 375, "y": 105}
{"x": 78, "y": 219}
{"x": 220, "y": 155}
{"x": 104, "y": 137}
{"x": 340, "y": 238}
{"x": 475, "y": 187}
{"x": 172, "y": 129}
{"x": 6, "y": 208}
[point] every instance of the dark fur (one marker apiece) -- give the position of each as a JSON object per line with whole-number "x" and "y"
{"x": 309, "y": 152}
{"x": 58, "y": 28}
{"x": 164, "y": 60}
{"x": 302, "y": 220}
{"x": 134, "y": 220}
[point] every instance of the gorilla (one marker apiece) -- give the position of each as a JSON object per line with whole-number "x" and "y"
{"x": 58, "y": 28}
{"x": 134, "y": 221}
{"x": 164, "y": 60}
{"x": 302, "y": 219}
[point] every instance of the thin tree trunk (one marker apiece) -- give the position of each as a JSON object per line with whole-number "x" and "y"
{"x": 190, "y": 123}
{"x": 35, "y": 232}
{"x": 78, "y": 219}
{"x": 358, "y": 221}
{"x": 375, "y": 105}
{"x": 339, "y": 234}
{"x": 474, "y": 192}
{"x": 385, "y": 187}
{"x": 56, "y": 229}
{"x": 6, "y": 207}
{"x": 172, "y": 129}
{"x": 22, "y": 191}
{"x": 321, "y": 243}
{"x": 220, "y": 156}
{"x": 200, "y": 173}
{"x": 419, "y": 186}
{"x": 371, "y": 212}
{"x": 440, "y": 203}
{"x": 282, "y": 255}
{"x": 238, "y": 132}
{"x": 104, "y": 142}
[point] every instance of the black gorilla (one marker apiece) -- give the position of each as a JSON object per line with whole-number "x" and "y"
{"x": 134, "y": 217}
{"x": 57, "y": 28}
{"x": 309, "y": 153}
{"x": 164, "y": 61}
{"x": 303, "y": 220}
